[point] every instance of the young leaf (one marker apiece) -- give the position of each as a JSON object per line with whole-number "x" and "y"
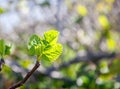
{"x": 34, "y": 45}
{"x": 32, "y": 50}
{"x": 52, "y": 52}
{"x": 51, "y": 36}
{"x": 34, "y": 40}
{"x": 46, "y": 48}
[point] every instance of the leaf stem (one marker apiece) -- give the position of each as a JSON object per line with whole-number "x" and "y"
{"x": 22, "y": 82}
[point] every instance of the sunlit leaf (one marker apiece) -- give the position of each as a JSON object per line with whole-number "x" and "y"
{"x": 51, "y": 36}
{"x": 47, "y": 47}
{"x": 53, "y": 52}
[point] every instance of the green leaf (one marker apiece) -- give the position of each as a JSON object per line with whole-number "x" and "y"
{"x": 47, "y": 47}
{"x": 34, "y": 40}
{"x": 2, "y": 48}
{"x": 51, "y": 36}
{"x": 35, "y": 45}
{"x": 52, "y": 52}
{"x": 32, "y": 50}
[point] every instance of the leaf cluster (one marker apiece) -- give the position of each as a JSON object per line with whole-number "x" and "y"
{"x": 45, "y": 47}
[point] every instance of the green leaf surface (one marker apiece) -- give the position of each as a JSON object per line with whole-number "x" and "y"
{"x": 51, "y": 36}
{"x": 52, "y": 52}
{"x": 34, "y": 40}
{"x": 35, "y": 45}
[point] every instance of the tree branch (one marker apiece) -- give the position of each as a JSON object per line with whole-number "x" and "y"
{"x": 26, "y": 77}
{"x": 94, "y": 57}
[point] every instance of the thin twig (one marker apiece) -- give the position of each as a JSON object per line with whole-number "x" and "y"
{"x": 26, "y": 77}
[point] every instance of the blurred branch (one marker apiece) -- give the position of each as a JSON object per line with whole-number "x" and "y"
{"x": 26, "y": 77}
{"x": 61, "y": 78}
{"x": 94, "y": 57}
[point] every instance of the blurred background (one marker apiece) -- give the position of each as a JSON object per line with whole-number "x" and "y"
{"x": 90, "y": 34}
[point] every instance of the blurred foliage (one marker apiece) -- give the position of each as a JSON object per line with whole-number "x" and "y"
{"x": 86, "y": 27}
{"x": 2, "y": 10}
{"x": 82, "y": 10}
